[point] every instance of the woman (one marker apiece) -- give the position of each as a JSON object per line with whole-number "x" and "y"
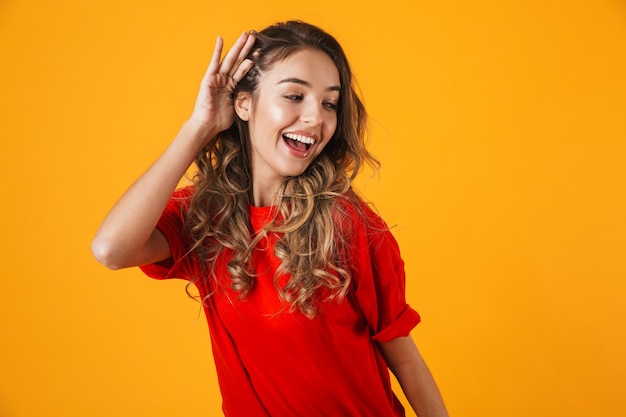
{"x": 302, "y": 284}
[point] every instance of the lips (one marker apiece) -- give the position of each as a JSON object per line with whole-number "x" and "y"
{"x": 298, "y": 142}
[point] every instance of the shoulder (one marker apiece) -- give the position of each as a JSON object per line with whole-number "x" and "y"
{"x": 181, "y": 198}
{"x": 357, "y": 211}
{"x": 358, "y": 221}
{"x": 372, "y": 252}
{"x": 184, "y": 193}
{"x": 177, "y": 208}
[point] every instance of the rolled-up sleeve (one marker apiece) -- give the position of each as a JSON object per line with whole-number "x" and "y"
{"x": 171, "y": 225}
{"x": 380, "y": 281}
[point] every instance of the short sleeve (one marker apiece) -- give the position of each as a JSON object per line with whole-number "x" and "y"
{"x": 171, "y": 225}
{"x": 379, "y": 278}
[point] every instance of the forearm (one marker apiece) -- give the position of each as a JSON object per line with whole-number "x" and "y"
{"x": 416, "y": 380}
{"x": 420, "y": 389}
{"x": 127, "y": 236}
{"x": 125, "y": 232}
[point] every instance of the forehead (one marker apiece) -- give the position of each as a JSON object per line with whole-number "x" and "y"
{"x": 311, "y": 66}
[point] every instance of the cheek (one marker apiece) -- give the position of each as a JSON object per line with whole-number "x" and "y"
{"x": 267, "y": 114}
{"x": 277, "y": 114}
{"x": 330, "y": 125}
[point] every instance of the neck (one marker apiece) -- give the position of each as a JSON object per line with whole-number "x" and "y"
{"x": 265, "y": 185}
{"x": 264, "y": 192}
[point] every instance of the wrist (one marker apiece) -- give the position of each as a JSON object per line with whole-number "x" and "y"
{"x": 191, "y": 139}
{"x": 199, "y": 129}
{"x": 197, "y": 133}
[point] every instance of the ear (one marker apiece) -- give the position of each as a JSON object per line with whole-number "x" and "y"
{"x": 243, "y": 105}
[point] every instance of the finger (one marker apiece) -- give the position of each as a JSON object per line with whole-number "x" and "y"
{"x": 245, "y": 50}
{"x": 231, "y": 57}
{"x": 215, "y": 59}
{"x": 242, "y": 70}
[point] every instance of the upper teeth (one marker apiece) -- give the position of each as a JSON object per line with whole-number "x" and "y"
{"x": 300, "y": 138}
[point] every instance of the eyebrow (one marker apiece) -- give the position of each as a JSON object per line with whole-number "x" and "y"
{"x": 306, "y": 83}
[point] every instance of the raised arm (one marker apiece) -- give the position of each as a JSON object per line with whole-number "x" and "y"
{"x": 128, "y": 235}
{"x": 418, "y": 384}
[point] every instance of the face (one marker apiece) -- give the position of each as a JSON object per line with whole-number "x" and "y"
{"x": 292, "y": 115}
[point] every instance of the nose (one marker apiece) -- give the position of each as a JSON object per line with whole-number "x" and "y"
{"x": 312, "y": 113}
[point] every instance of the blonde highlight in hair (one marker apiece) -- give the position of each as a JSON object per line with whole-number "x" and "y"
{"x": 310, "y": 223}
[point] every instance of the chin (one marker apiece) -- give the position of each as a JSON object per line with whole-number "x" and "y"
{"x": 294, "y": 171}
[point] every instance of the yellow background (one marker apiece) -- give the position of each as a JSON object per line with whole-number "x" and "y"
{"x": 501, "y": 129}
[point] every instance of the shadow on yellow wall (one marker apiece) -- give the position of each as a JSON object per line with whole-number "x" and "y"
{"x": 500, "y": 127}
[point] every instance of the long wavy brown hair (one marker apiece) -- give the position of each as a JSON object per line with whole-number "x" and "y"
{"x": 308, "y": 219}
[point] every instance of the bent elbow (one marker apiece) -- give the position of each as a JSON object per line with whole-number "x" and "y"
{"x": 104, "y": 253}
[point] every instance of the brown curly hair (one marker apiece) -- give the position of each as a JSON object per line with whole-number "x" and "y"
{"x": 310, "y": 220}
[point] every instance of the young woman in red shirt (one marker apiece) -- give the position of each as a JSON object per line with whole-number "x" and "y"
{"x": 302, "y": 283}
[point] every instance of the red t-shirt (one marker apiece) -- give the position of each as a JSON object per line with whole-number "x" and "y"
{"x": 286, "y": 364}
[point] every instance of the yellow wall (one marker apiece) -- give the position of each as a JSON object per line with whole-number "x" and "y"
{"x": 502, "y": 133}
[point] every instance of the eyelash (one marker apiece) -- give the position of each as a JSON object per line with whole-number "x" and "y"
{"x": 297, "y": 97}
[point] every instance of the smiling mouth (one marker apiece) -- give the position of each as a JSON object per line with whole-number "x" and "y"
{"x": 299, "y": 142}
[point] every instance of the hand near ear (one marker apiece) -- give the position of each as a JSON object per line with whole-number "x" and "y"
{"x": 214, "y": 111}
{"x": 128, "y": 235}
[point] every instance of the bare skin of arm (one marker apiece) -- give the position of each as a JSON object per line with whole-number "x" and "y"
{"x": 128, "y": 235}
{"x": 418, "y": 384}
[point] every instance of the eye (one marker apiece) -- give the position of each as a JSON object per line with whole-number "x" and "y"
{"x": 294, "y": 97}
{"x": 330, "y": 106}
